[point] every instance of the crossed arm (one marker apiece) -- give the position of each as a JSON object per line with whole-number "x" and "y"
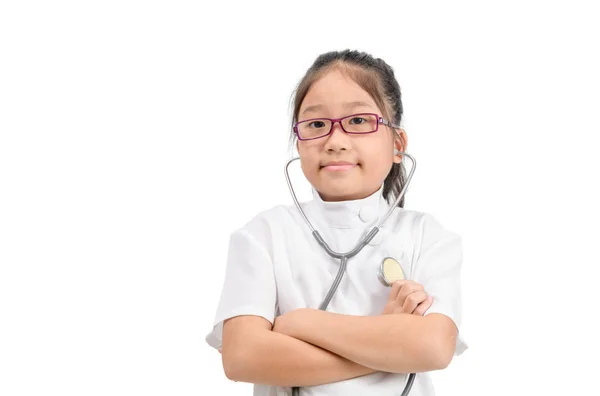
{"x": 310, "y": 347}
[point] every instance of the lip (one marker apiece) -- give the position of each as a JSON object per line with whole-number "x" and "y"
{"x": 337, "y": 166}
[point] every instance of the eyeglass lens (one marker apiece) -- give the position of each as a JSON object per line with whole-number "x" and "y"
{"x": 357, "y": 123}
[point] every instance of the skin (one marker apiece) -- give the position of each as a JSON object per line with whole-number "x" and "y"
{"x": 372, "y": 155}
{"x": 331, "y": 347}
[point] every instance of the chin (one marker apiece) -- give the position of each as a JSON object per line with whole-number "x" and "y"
{"x": 340, "y": 193}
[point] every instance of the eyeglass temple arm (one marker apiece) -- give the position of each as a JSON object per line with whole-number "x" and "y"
{"x": 387, "y": 123}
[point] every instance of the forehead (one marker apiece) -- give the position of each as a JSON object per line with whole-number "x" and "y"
{"x": 335, "y": 92}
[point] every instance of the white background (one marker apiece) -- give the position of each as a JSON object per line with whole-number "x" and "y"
{"x": 129, "y": 151}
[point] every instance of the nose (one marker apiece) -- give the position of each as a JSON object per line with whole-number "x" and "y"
{"x": 338, "y": 140}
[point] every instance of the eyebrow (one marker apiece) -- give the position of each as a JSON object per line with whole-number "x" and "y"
{"x": 347, "y": 105}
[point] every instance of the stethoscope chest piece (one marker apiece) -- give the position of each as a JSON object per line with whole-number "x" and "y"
{"x": 390, "y": 271}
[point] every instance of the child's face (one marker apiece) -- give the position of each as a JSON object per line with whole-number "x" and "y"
{"x": 370, "y": 155}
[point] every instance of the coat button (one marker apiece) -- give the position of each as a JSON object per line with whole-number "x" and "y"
{"x": 367, "y": 214}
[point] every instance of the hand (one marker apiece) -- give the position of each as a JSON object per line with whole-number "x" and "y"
{"x": 407, "y": 297}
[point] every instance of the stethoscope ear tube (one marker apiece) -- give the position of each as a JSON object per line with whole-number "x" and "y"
{"x": 384, "y": 218}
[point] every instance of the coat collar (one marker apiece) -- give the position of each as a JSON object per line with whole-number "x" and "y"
{"x": 353, "y": 213}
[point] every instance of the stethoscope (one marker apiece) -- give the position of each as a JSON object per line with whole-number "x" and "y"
{"x": 389, "y": 270}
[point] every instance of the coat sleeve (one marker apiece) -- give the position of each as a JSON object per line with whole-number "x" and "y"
{"x": 249, "y": 287}
{"x": 438, "y": 269}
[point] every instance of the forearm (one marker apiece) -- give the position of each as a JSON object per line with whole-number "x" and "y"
{"x": 400, "y": 343}
{"x": 277, "y": 359}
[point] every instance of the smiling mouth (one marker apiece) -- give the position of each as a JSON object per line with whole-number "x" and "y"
{"x": 338, "y": 167}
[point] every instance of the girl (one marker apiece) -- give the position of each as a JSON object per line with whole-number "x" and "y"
{"x": 268, "y": 325}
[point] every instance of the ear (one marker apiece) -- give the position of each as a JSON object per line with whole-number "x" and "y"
{"x": 400, "y": 144}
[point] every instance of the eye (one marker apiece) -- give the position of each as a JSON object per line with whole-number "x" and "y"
{"x": 316, "y": 124}
{"x": 357, "y": 121}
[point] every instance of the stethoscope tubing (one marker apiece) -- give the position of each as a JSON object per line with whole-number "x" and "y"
{"x": 343, "y": 257}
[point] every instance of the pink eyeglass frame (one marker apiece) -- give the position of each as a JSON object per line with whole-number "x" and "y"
{"x": 380, "y": 120}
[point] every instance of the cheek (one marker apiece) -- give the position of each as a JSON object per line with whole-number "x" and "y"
{"x": 309, "y": 160}
{"x": 378, "y": 156}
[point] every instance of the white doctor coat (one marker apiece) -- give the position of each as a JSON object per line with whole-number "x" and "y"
{"x": 275, "y": 266}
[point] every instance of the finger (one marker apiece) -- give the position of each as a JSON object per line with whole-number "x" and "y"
{"x": 413, "y": 300}
{"x": 396, "y": 287}
{"x": 406, "y": 290}
{"x": 424, "y": 306}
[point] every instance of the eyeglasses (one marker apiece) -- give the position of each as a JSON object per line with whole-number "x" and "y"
{"x": 362, "y": 123}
